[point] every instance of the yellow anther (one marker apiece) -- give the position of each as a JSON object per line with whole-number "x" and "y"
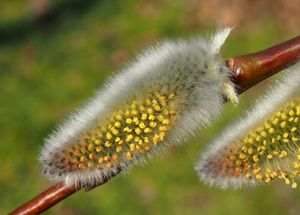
{"x": 283, "y": 116}
{"x": 127, "y": 129}
{"x": 163, "y": 128}
{"x": 146, "y": 139}
{"x": 287, "y": 181}
{"x": 132, "y": 146}
{"x": 152, "y": 124}
{"x": 264, "y": 134}
{"x": 83, "y": 159}
{"x": 128, "y": 121}
{"x": 257, "y": 170}
{"x": 275, "y": 121}
{"x": 100, "y": 160}
{"x": 115, "y": 131}
{"x": 157, "y": 108}
{"x": 144, "y": 116}
{"x": 109, "y": 164}
{"x": 271, "y": 130}
{"x": 285, "y": 140}
{"x": 142, "y": 125}
{"x": 119, "y": 148}
{"x": 148, "y": 102}
{"x": 107, "y": 158}
{"x": 129, "y": 137}
{"x": 92, "y": 156}
{"x": 293, "y": 129}
{"x": 134, "y": 112}
{"x": 166, "y": 112}
{"x": 283, "y": 124}
{"x": 115, "y": 157}
{"x": 242, "y": 156}
{"x": 258, "y": 138}
{"x": 255, "y": 158}
{"x": 99, "y": 148}
{"x": 138, "y": 131}
{"x": 119, "y": 117}
{"x": 162, "y": 135}
{"x": 129, "y": 156}
{"x": 91, "y": 147}
{"x": 117, "y": 124}
{"x": 147, "y": 130}
{"x": 166, "y": 121}
{"x": 250, "y": 151}
{"x": 154, "y": 101}
{"x": 142, "y": 108}
{"x": 285, "y": 135}
{"x": 108, "y": 136}
{"x": 83, "y": 150}
{"x": 149, "y": 111}
{"x": 135, "y": 120}
{"x": 283, "y": 154}
{"x": 160, "y": 117}
{"x": 294, "y": 185}
{"x": 155, "y": 139}
{"x": 151, "y": 117}
{"x": 107, "y": 144}
{"x": 258, "y": 176}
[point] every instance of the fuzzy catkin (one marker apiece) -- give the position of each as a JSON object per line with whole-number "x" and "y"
{"x": 262, "y": 146}
{"x": 166, "y": 94}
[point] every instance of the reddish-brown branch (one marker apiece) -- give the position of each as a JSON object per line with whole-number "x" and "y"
{"x": 46, "y": 199}
{"x": 247, "y": 71}
{"x": 250, "y": 69}
{"x": 52, "y": 196}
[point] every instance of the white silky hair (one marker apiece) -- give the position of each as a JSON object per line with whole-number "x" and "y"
{"x": 276, "y": 96}
{"x": 168, "y": 65}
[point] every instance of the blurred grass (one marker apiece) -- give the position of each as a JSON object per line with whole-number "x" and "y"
{"x": 52, "y": 70}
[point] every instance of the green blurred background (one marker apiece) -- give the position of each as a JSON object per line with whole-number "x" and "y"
{"x": 55, "y": 53}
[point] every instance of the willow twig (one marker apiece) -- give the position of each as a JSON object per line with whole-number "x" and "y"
{"x": 46, "y": 199}
{"x": 250, "y": 69}
{"x": 247, "y": 70}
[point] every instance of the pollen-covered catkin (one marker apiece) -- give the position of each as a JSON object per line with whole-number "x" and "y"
{"x": 160, "y": 99}
{"x": 262, "y": 147}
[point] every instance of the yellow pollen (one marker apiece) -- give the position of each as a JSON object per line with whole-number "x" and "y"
{"x": 133, "y": 129}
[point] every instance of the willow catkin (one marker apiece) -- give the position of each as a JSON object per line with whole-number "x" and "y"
{"x": 261, "y": 147}
{"x": 165, "y": 95}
